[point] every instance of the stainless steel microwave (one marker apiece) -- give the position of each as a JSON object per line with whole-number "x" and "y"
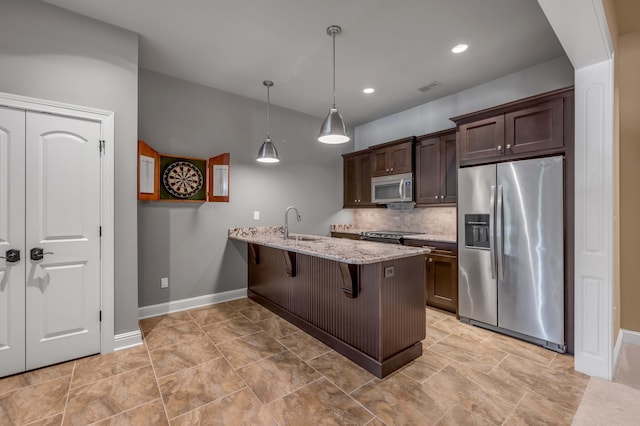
{"x": 392, "y": 188}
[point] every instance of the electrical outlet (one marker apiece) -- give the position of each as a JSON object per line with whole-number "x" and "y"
{"x": 256, "y": 215}
{"x": 164, "y": 282}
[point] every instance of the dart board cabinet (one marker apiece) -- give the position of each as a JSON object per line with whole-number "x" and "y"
{"x": 172, "y": 178}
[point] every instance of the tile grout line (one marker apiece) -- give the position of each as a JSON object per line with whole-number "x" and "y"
{"x": 155, "y": 376}
{"x": 66, "y": 402}
{"x": 101, "y": 379}
{"x": 125, "y": 411}
{"x": 513, "y": 410}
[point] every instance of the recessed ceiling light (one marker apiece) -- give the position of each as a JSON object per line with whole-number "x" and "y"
{"x": 369, "y": 90}
{"x": 460, "y": 48}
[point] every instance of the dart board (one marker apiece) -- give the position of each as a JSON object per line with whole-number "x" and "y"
{"x": 182, "y": 179}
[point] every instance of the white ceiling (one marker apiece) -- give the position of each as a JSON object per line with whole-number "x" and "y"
{"x": 395, "y": 46}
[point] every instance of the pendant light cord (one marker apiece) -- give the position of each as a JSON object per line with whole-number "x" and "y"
{"x": 268, "y": 120}
{"x": 334, "y": 69}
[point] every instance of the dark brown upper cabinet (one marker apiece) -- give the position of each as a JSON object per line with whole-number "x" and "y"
{"x": 392, "y": 158}
{"x": 530, "y": 127}
{"x": 436, "y": 168}
{"x": 357, "y": 179}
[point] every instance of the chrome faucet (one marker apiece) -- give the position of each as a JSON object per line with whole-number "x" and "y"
{"x": 286, "y": 220}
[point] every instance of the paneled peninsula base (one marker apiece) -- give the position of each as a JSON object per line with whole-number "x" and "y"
{"x": 372, "y": 314}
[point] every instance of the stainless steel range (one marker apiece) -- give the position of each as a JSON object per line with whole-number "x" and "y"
{"x": 392, "y": 237}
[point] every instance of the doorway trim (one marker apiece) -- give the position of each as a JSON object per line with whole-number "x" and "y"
{"x": 106, "y": 120}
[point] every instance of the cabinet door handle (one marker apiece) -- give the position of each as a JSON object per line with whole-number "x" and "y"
{"x": 392, "y": 169}
{"x": 508, "y": 146}
{"x": 499, "y": 148}
{"x": 387, "y": 170}
{"x": 430, "y": 260}
{"x": 436, "y": 197}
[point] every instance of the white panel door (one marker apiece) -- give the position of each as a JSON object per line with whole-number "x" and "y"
{"x": 63, "y": 219}
{"x": 12, "y": 302}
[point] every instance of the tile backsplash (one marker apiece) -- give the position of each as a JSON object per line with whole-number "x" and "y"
{"x": 427, "y": 220}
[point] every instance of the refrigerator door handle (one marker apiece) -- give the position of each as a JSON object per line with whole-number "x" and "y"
{"x": 492, "y": 239}
{"x": 499, "y": 234}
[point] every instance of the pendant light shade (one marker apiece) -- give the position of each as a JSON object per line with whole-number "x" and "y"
{"x": 334, "y": 130}
{"x": 268, "y": 152}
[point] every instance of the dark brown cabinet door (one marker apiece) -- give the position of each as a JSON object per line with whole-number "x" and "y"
{"x": 392, "y": 160}
{"x": 535, "y": 129}
{"x": 379, "y": 162}
{"x": 428, "y": 171}
{"x": 364, "y": 178}
{"x": 448, "y": 169}
{"x": 482, "y": 140}
{"x": 399, "y": 158}
{"x": 357, "y": 181}
{"x": 436, "y": 169}
{"x": 350, "y": 175}
{"x": 442, "y": 282}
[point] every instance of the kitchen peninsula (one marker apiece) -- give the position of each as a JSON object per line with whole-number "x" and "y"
{"x": 363, "y": 299}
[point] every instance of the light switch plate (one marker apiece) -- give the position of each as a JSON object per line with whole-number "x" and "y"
{"x": 256, "y": 215}
{"x": 164, "y": 282}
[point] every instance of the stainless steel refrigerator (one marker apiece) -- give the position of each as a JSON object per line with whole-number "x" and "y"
{"x": 511, "y": 249}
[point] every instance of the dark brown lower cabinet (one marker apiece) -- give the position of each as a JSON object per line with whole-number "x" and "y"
{"x": 442, "y": 281}
{"x": 442, "y": 273}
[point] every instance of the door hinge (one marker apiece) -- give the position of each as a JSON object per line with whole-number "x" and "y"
{"x": 101, "y": 147}
{"x": 100, "y": 316}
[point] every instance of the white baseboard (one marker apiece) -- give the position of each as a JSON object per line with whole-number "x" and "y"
{"x": 194, "y": 302}
{"x": 624, "y": 336}
{"x": 127, "y": 340}
{"x": 631, "y": 337}
{"x": 616, "y": 351}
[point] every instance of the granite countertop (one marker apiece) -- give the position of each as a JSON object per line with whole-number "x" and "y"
{"x": 350, "y": 229}
{"x": 338, "y": 249}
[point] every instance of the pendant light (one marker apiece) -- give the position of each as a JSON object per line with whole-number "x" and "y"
{"x": 268, "y": 152}
{"x": 333, "y": 130}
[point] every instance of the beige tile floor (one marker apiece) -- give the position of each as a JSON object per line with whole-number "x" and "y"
{"x": 237, "y": 363}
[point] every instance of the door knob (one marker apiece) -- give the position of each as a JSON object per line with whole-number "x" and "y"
{"x": 38, "y": 254}
{"x": 11, "y": 255}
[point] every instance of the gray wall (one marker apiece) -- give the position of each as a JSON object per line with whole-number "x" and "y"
{"x": 434, "y": 116}
{"x": 49, "y": 53}
{"x": 188, "y": 242}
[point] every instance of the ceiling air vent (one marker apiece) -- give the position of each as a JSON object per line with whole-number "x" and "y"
{"x": 425, "y": 89}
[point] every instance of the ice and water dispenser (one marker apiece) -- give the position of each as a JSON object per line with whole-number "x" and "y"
{"x": 476, "y": 231}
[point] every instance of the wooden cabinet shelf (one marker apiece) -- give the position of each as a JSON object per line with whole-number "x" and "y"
{"x": 436, "y": 168}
